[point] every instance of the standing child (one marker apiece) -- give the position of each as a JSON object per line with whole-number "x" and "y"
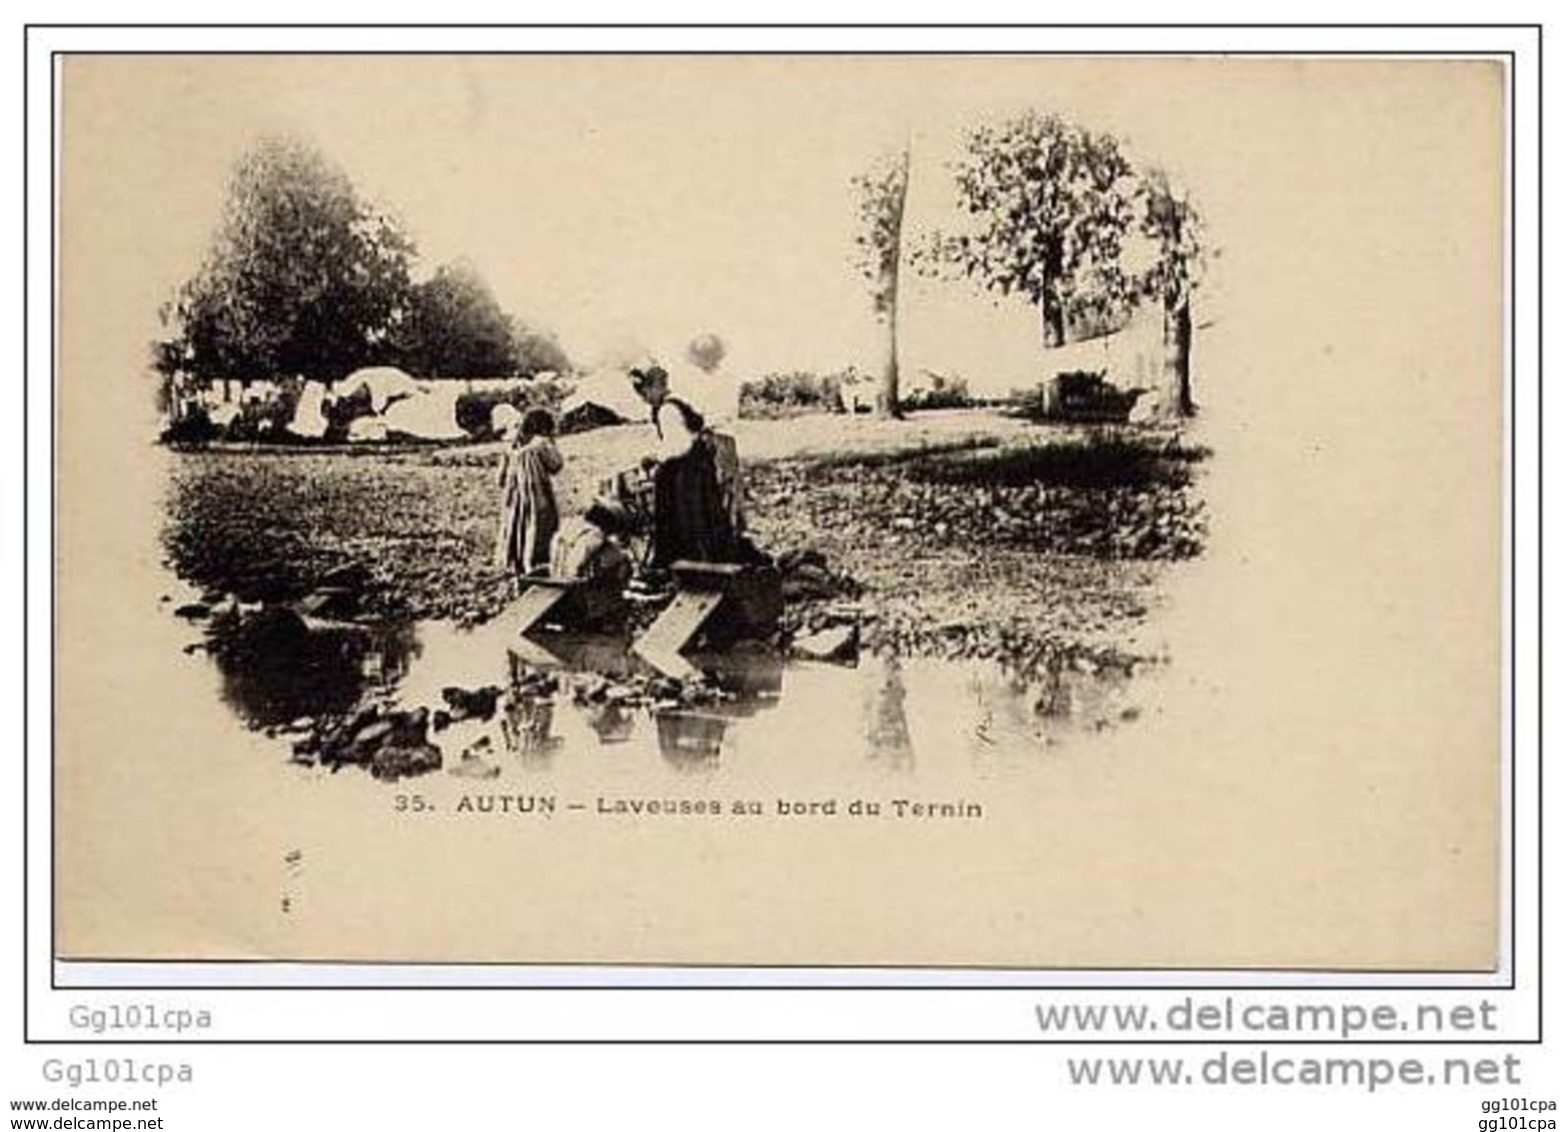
{"x": 529, "y": 515}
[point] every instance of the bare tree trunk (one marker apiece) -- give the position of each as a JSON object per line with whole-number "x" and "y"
{"x": 1174, "y": 394}
{"x": 1052, "y": 311}
{"x": 1052, "y": 324}
{"x": 889, "y": 401}
{"x": 1053, "y": 321}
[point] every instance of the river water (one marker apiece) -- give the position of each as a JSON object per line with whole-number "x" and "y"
{"x": 568, "y": 703}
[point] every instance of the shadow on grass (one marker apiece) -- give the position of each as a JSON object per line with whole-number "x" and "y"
{"x": 1095, "y": 461}
{"x": 911, "y": 456}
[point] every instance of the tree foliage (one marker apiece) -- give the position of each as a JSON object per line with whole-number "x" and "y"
{"x": 1051, "y": 209}
{"x": 1170, "y": 220}
{"x": 303, "y": 277}
{"x": 455, "y": 327}
{"x": 1049, "y": 204}
{"x": 539, "y": 352}
{"x": 881, "y": 194}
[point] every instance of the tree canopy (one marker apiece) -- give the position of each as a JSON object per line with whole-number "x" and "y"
{"x": 303, "y": 276}
{"x": 1170, "y": 220}
{"x": 1051, "y": 209}
{"x": 1050, "y": 203}
{"x": 880, "y": 194}
{"x": 456, "y": 328}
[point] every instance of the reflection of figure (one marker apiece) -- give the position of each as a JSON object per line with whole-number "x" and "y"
{"x": 750, "y": 675}
{"x": 612, "y": 722}
{"x": 887, "y": 717}
{"x": 690, "y": 739}
{"x": 1053, "y": 700}
{"x": 529, "y": 516}
{"x": 391, "y": 652}
{"x": 527, "y": 725}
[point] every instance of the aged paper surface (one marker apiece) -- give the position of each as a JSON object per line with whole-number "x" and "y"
{"x": 1308, "y": 777}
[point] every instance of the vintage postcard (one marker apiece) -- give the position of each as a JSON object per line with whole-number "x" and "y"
{"x": 837, "y": 511}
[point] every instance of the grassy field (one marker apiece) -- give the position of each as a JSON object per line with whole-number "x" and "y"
{"x": 965, "y": 532}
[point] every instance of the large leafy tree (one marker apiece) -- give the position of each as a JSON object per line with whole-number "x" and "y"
{"x": 1049, "y": 204}
{"x": 538, "y": 351}
{"x": 882, "y": 193}
{"x": 456, "y": 328}
{"x": 303, "y": 277}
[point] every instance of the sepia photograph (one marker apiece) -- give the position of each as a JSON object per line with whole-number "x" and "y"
{"x": 978, "y": 512}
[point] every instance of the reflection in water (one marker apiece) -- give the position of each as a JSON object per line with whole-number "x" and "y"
{"x": 752, "y": 677}
{"x": 607, "y": 656}
{"x": 886, "y": 713}
{"x": 611, "y": 722}
{"x": 528, "y": 725}
{"x": 1069, "y": 693}
{"x": 748, "y": 681}
{"x": 691, "y": 740}
{"x": 277, "y": 667}
{"x": 593, "y": 693}
{"x": 1053, "y": 700}
{"x": 477, "y": 761}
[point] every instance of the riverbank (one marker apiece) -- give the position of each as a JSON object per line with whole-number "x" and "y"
{"x": 964, "y": 533}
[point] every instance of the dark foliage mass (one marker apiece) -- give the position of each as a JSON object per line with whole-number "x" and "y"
{"x": 455, "y": 327}
{"x": 475, "y": 410}
{"x": 791, "y": 394}
{"x": 942, "y": 393}
{"x": 1050, "y": 211}
{"x": 305, "y": 278}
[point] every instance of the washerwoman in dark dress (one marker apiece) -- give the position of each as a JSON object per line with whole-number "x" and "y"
{"x": 690, "y": 518}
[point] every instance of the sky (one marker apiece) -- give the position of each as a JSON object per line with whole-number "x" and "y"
{"x": 625, "y": 204}
{"x": 628, "y": 203}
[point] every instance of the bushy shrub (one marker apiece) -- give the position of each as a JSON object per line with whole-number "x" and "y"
{"x": 195, "y": 427}
{"x": 1086, "y": 395}
{"x": 262, "y": 415}
{"x": 263, "y": 420}
{"x": 475, "y": 409}
{"x": 943, "y": 393}
{"x": 791, "y": 395}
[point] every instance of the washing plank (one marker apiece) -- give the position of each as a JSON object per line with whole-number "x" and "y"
{"x": 535, "y": 604}
{"x": 679, "y": 623}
